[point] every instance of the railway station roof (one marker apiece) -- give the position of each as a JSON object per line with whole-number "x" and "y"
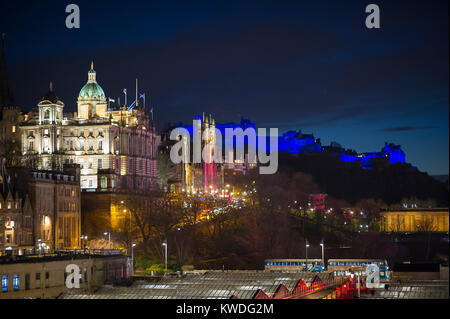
{"x": 413, "y": 289}
{"x": 211, "y": 285}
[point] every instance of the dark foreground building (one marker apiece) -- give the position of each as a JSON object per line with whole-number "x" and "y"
{"x": 45, "y": 277}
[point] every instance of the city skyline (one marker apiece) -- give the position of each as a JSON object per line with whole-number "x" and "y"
{"x": 331, "y": 76}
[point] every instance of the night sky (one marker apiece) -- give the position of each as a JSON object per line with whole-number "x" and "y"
{"x": 309, "y": 65}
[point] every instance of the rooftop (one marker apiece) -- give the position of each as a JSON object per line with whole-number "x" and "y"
{"x": 211, "y": 285}
{"x": 414, "y": 289}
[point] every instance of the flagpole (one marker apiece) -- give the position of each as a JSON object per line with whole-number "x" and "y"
{"x": 137, "y": 102}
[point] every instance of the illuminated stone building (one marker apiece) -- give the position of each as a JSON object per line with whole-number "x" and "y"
{"x": 40, "y": 210}
{"x": 415, "y": 220}
{"x": 56, "y": 200}
{"x": 190, "y": 176}
{"x": 114, "y": 147}
{"x": 16, "y": 218}
{"x": 207, "y": 175}
{"x": 201, "y": 177}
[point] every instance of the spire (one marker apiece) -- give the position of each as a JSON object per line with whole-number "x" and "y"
{"x": 51, "y": 86}
{"x": 6, "y": 98}
{"x": 92, "y": 65}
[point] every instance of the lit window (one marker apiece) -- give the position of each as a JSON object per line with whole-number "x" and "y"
{"x": 5, "y": 283}
{"x": 13, "y": 129}
{"x": 16, "y": 282}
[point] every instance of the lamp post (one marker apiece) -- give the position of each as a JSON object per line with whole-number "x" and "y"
{"x": 306, "y": 255}
{"x": 323, "y": 253}
{"x": 359, "y": 286}
{"x": 109, "y": 238}
{"x": 39, "y": 245}
{"x": 165, "y": 247}
{"x": 132, "y": 258}
{"x": 84, "y": 237}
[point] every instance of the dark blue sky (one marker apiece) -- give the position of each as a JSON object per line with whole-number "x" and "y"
{"x": 309, "y": 65}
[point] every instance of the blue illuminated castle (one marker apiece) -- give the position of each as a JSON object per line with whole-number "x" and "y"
{"x": 393, "y": 153}
{"x": 297, "y": 142}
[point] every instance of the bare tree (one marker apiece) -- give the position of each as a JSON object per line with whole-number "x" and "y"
{"x": 10, "y": 151}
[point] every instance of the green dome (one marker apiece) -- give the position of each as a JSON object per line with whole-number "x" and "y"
{"x": 92, "y": 89}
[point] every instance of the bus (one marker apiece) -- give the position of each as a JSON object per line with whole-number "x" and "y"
{"x": 345, "y": 267}
{"x": 294, "y": 265}
{"x": 339, "y": 267}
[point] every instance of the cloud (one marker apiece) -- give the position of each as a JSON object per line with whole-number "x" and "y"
{"x": 406, "y": 128}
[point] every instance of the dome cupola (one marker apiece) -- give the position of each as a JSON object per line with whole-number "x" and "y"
{"x": 92, "y": 99}
{"x": 92, "y": 90}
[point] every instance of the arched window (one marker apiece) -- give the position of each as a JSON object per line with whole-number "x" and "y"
{"x": 104, "y": 182}
{"x": 46, "y": 114}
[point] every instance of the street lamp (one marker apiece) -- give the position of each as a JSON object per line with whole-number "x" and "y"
{"x": 84, "y": 237}
{"x": 109, "y": 238}
{"x": 306, "y": 255}
{"x": 39, "y": 245}
{"x": 132, "y": 258}
{"x": 323, "y": 253}
{"x": 165, "y": 246}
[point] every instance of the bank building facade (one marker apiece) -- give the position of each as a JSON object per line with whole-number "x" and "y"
{"x": 115, "y": 147}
